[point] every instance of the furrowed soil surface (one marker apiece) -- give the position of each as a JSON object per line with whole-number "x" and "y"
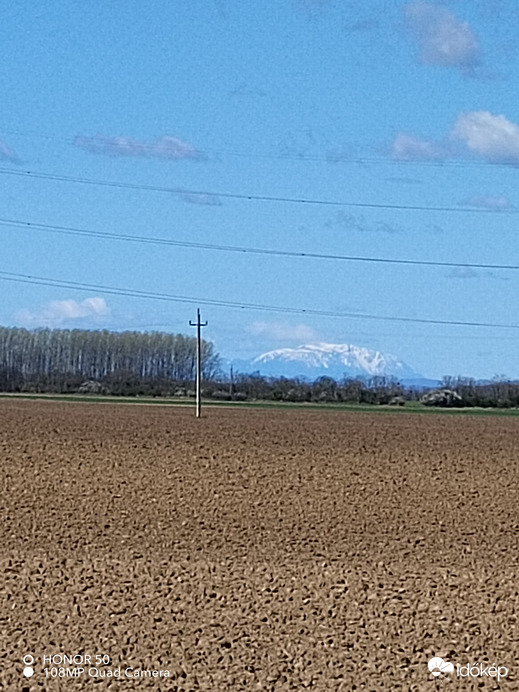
{"x": 256, "y": 550}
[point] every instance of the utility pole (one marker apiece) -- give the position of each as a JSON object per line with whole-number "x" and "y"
{"x": 231, "y": 384}
{"x": 198, "y": 326}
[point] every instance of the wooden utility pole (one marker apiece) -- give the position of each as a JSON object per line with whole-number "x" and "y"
{"x": 198, "y": 326}
{"x": 231, "y": 385}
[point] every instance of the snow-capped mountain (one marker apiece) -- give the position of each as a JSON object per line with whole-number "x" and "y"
{"x": 335, "y": 360}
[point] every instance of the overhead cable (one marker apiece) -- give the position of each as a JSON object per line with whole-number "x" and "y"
{"x": 243, "y": 196}
{"x": 67, "y": 230}
{"x": 78, "y": 286}
{"x": 332, "y": 156}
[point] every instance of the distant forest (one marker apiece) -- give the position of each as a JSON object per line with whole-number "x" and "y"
{"x": 64, "y": 360}
{"x": 160, "y": 364}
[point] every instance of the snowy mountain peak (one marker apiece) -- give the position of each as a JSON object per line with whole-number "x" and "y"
{"x": 335, "y": 360}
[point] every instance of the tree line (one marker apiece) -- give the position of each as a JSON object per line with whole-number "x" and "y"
{"x": 500, "y": 392}
{"x": 160, "y": 364}
{"x": 374, "y": 390}
{"x": 61, "y": 360}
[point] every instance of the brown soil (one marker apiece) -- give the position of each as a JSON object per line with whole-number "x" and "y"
{"x": 257, "y": 550}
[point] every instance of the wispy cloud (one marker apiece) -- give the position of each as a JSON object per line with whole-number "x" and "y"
{"x": 8, "y": 154}
{"x": 480, "y": 134}
{"x": 245, "y": 90}
{"x": 463, "y": 273}
{"x": 203, "y": 198}
{"x": 311, "y": 7}
{"x": 408, "y": 147}
{"x": 358, "y": 223}
{"x": 403, "y": 180}
{"x": 283, "y": 332}
{"x": 442, "y": 38}
{"x": 58, "y": 312}
{"x": 492, "y": 202}
{"x": 169, "y": 148}
{"x": 361, "y": 25}
{"x": 469, "y": 273}
{"x": 343, "y": 153}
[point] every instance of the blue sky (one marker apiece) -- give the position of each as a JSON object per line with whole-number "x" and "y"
{"x": 381, "y": 130}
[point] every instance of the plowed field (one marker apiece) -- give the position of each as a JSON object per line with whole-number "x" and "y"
{"x": 255, "y": 549}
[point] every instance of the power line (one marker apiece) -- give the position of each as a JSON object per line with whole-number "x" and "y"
{"x": 78, "y": 286}
{"x": 243, "y": 196}
{"x": 330, "y": 157}
{"x": 67, "y": 230}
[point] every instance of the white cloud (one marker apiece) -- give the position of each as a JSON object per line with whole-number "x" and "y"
{"x": 442, "y": 38}
{"x": 57, "y": 312}
{"x": 490, "y": 137}
{"x": 493, "y": 137}
{"x": 169, "y": 148}
{"x": 283, "y": 332}
{"x": 407, "y": 147}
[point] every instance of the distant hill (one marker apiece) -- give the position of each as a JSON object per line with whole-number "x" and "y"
{"x": 334, "y": 360}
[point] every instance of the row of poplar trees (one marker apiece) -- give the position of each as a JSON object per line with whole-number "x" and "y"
{"x": 46, "y": 354}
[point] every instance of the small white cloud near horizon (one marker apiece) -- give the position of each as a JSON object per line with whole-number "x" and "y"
{"x": 58, "y": 312}
{"x": 166, "y": 147}
{"x": 442, "y": 38}
{"x": 300, "y": 333}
